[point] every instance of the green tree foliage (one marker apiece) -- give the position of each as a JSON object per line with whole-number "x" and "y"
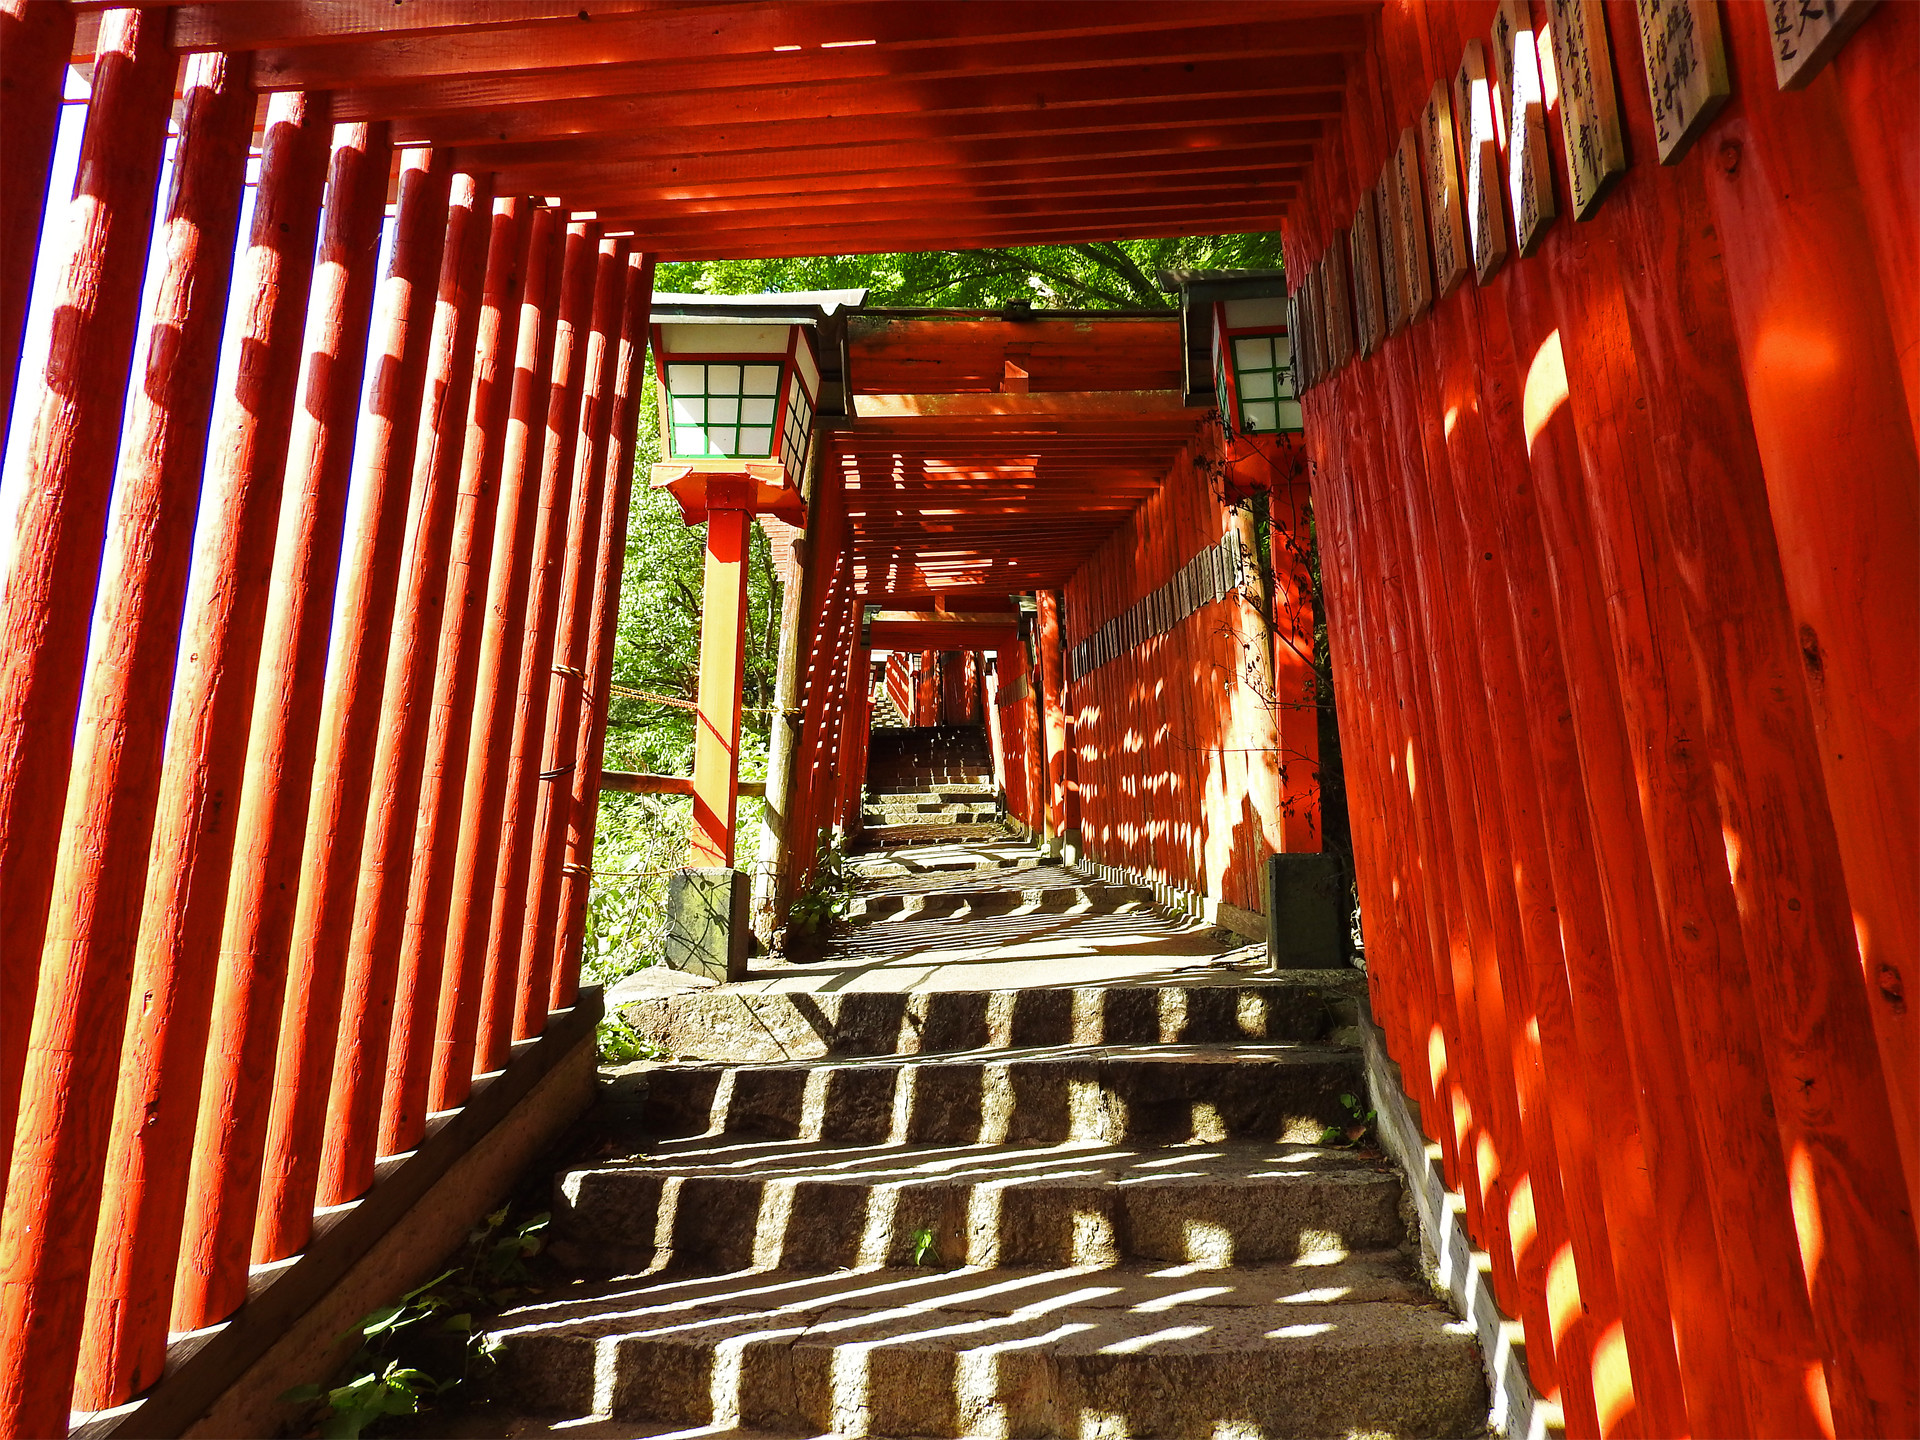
{"x": 1097, "y": 275}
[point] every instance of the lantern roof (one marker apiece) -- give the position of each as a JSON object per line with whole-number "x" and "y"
{"x": 796, "y": 307}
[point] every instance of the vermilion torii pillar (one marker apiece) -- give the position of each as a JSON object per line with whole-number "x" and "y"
{"x": 727, "y": 502}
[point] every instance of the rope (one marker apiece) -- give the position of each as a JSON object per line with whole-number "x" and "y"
{"x": 626, "y": 692}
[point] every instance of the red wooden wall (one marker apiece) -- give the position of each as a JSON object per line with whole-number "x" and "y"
{"x": 1621, "y": 555}
{"x": 1175, "y": 746}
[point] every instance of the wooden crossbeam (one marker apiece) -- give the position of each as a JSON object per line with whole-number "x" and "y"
{"x": 668, "y": 33}
{"x": 1307, "y": 87}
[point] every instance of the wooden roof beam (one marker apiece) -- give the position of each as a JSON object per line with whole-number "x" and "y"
{"x": 1192, "y": 123}
{"x": 754, "y": 80}
{"x": 1232, "y": 164}
{"x": 711, "y": 32}
{"x": 1306, "y": 88}
{"x": 883, "y": 208}
{"x": 959, "y": 231}
{"x": 984, "y": 155}
{"x": 831, "y": 242}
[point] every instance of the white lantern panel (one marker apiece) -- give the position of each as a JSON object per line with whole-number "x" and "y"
{"x": 686, "y": 379}
{"x": 722, "y": 412}
{"x": 762, "y": 380}
{"x": 688, "y": 410}
{"x": 1263, "y": 370}
{"x": 756, "y": 412}
{"x": 755, "y": 442}
{"x": 723, "y": 379}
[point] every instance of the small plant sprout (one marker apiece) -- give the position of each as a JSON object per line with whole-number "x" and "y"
{"x": 1355, "y": 1132}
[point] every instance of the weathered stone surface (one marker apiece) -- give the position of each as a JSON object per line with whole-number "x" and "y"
{"x": 826, "y": 1206}
{"x": 1020, "y": 1156}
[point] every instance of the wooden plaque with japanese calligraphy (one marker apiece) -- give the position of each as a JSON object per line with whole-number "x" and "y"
{"x": 1296, "y": 342}
{"x": 1686, "y": 66}
{"x": 1807, "y": 34}
{"x": 1589, "y": 103}
{"x": 1516, "y": 63}
{"x": 1317, "y": 322}
{"x": 1473, "y": 102}
{"x": 1393, "y": 282}
{"x": 1443, "y": 190}
{"x": 1363, "y": 247}
{"x": 1339, "y": 300}
{"x": 1412, "y": 207}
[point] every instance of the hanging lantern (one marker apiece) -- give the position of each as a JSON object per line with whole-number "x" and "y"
{"x": 736, "y": 401}
{"x": 1253, "y": 367}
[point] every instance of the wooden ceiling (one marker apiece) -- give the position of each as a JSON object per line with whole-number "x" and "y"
{"x": 784, "y": 129}
{"x": 995, "y": 455}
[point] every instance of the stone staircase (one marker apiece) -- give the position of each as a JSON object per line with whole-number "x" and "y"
{"x": 929, "y": 783}
{"x": 1066, "y": 1181}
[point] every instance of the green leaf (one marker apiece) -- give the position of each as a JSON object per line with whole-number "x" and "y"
{"x": 422, "y": 1289}
{"x": 300, "y": 1395}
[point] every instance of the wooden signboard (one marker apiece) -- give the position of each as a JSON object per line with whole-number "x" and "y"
{"x": 1589, "y": 103}
{"x": 1473, "y": 105}
{"x": 1443, "y": 190}
{"x": 1339, "y": 301}
{"x": 1416, "y": 279}
{"x": 1296, "y": 343}
{"x": 1317, "y": 321}
{"x": 1364, "y": 248}
{"x": 1807, "y": 33}
{"x": 1686, "y": 65}
{"x": 1393, "y": 282}
{"x": 1516, "y": 64}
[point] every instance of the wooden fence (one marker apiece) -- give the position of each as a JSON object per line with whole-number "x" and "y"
{"x": 1621, "y": 555}
{"x": 336, "y": 855}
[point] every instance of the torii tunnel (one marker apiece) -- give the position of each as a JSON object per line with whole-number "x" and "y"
{"x": 1603, "y": 324}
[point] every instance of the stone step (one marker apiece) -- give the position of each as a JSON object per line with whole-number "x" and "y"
{"x": 919, "y": 806}
{"x": 970, "y": 858}
{"x": 1277, "y": 1351}
{"x": 934, "y": 833}
{"x": 951, "y": 795}
{"x": 1092, "y": 899}
{"x": 1274, "y": 1092}
{"x": 729, "y": 1202}
{"x": 748, "y": 1027}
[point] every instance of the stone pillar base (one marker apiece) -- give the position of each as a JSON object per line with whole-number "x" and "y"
{"x": 1306, "y": 912}
{"x": 708, "y": 922}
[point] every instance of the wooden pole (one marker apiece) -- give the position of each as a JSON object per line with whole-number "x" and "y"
{"x": 365, "y": 1021}
{"x": 1801, "y": 272}
{"x": 723, "y": 633}
{"x": 776, "y": 816}
{"x": 483, "y": 792}
{"x": 349, "y": 739}
{"x": 77, "y": 399}
{"x": 423, "y": 944}
{"x": 591, "y": 745}
{"x": 67, "y": 1099}
{"x": 512, "y": 883}
{"x": 137, "y": 1244}
{"x": 280, "y": 746}
{"x": 1054, "y": 717}
{"x": 35, "y": 41}
{"x": 567, "y": 678}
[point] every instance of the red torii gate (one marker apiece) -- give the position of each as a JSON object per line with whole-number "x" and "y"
{"x": 1628, "y": 528}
